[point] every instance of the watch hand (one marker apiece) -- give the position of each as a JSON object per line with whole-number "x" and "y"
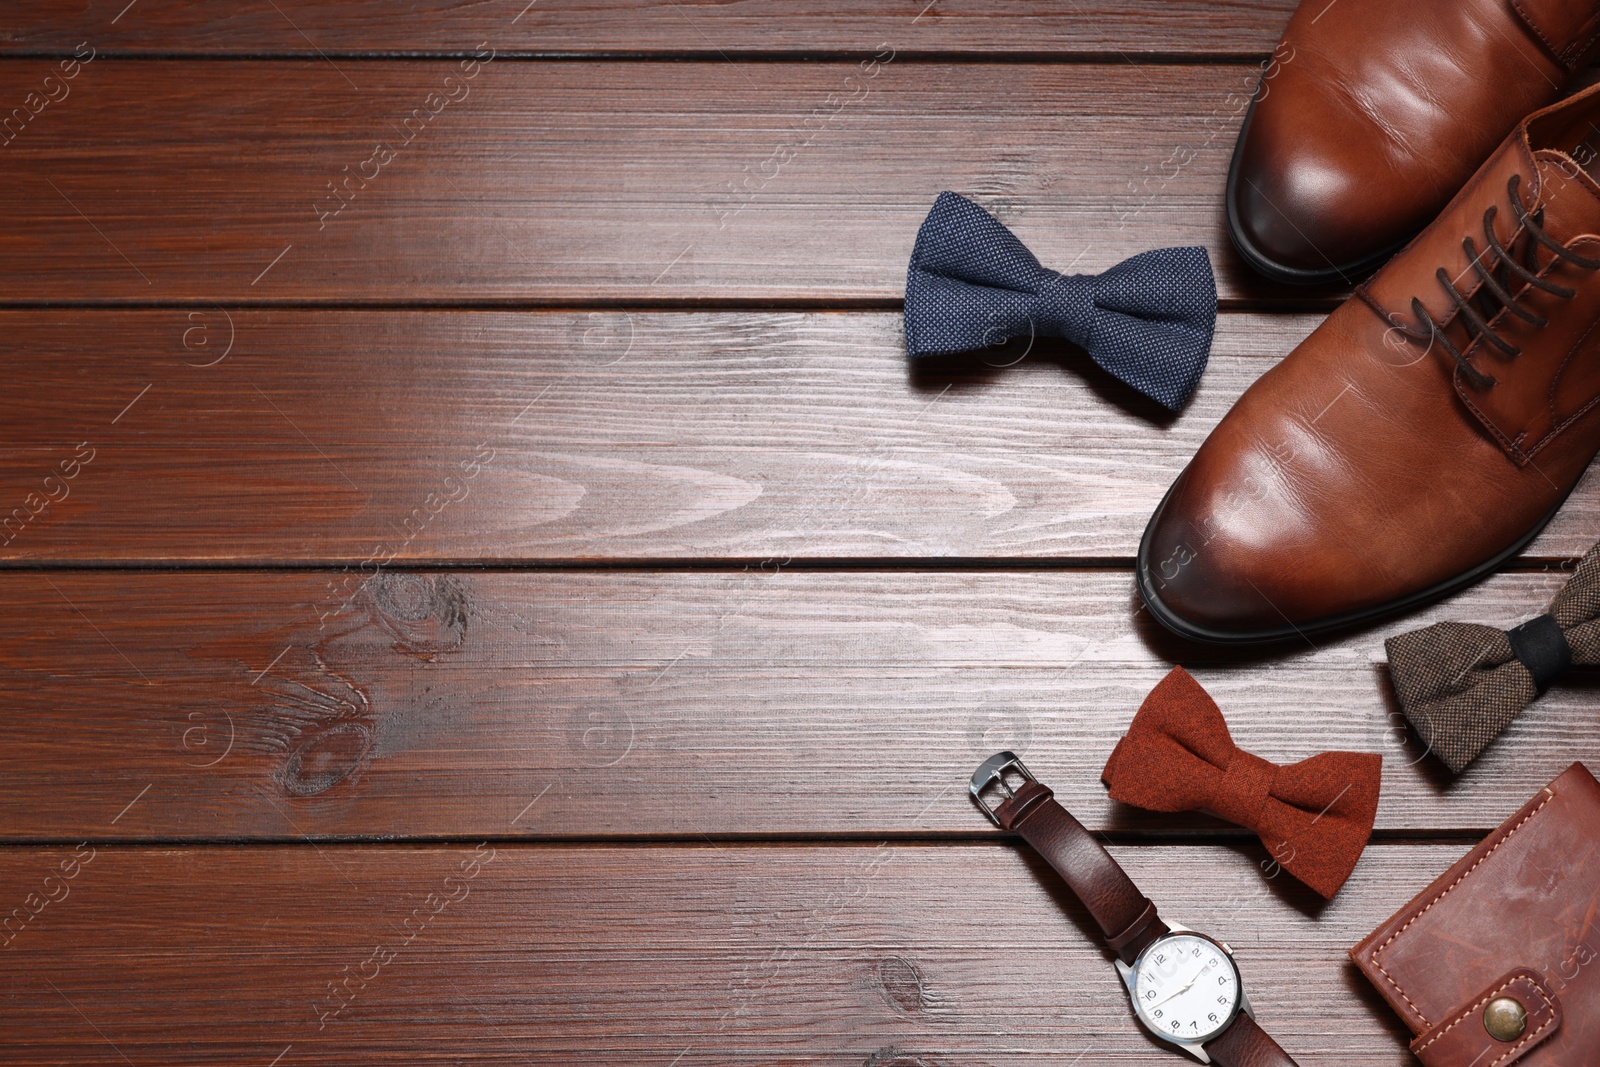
{"x": 1179, "y": 993}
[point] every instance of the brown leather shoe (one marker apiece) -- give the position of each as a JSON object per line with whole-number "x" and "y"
{"x": 1424, "y": 433}
{"x": 1373, "y": 113}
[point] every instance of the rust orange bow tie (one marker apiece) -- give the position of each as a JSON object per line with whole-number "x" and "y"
{"x": 1314, "y": 816}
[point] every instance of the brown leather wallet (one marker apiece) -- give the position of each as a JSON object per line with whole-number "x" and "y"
{"x": 1208, "y": 1016}
{"x": 1498, "y": 961}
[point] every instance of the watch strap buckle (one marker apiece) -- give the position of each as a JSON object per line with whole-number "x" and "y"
{"x": 992, "y": 773}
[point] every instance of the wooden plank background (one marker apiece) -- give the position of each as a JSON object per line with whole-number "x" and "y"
{"x": 233, "y": 436}
{"x": 559, "y": 493}
{"x": 701, "y": 181}
{"x": 1148, "y": 29}
{"x": 759, "y": 702}
{"x": 784, "y": 954}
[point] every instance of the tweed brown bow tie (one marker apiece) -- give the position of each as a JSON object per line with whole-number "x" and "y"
{"x": 1314, "y": 816}
{"x": 1461, "y": 683}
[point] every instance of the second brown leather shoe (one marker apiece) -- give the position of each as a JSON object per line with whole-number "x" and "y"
{"x": 1374, "y": 112}
{"x": 1422, "y": 434}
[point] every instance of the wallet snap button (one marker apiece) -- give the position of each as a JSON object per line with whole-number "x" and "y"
{"x": 1505, "y": 1018}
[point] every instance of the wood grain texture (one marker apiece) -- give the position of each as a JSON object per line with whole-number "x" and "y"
{"x": 908, "y": 955}
{"x": 567, "y": 183}
{"x": 512, "y": 294}
{"x": 1139, "y": 28}
{"x": 321, "y": 436}
{"x": 239, "y": 705}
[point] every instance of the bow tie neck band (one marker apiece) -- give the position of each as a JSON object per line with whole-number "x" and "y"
{"x": 1148, "y": 320}
{"x": 1460, "y": 684}
{"x": 1314, "y": 816}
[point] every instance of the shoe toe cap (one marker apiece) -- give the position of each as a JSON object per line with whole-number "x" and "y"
{"x": 1236, "y": 556}
{"x": 1296, "y": 212}
{"x": 1192, "y": 589}
{"x": 1314, "y": 190}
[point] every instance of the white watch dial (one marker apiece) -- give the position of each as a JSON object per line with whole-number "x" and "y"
{"x": 1186, "y": 988}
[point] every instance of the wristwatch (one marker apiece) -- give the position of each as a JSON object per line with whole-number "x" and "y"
{"x": 1184, "y": 985}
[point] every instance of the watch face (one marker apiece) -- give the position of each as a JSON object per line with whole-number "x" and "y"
{"x": 1186, "y": 988}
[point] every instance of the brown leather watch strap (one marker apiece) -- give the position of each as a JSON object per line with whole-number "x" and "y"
{"x": 1124, "y": 914}
{"x": 1244, "y": 1044}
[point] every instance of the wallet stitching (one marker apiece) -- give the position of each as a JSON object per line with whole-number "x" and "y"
{"x": 1429, "y": 906}
{"x": 1467, "y": 1014}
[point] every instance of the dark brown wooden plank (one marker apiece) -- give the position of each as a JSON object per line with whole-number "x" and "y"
{"x": 907, "y": 955}
{"x": 1135, "y": 28}
{"x": 606, "y": 435}
{"x": 168, "y": 181}
{"x": 610, "y": 435}
{"x": 248, "y": 705}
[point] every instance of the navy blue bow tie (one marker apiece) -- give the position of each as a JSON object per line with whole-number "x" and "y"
{"x": 1148, "y": 320}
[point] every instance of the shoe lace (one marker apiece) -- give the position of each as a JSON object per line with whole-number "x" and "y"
{"x": 1496, "y": 295}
